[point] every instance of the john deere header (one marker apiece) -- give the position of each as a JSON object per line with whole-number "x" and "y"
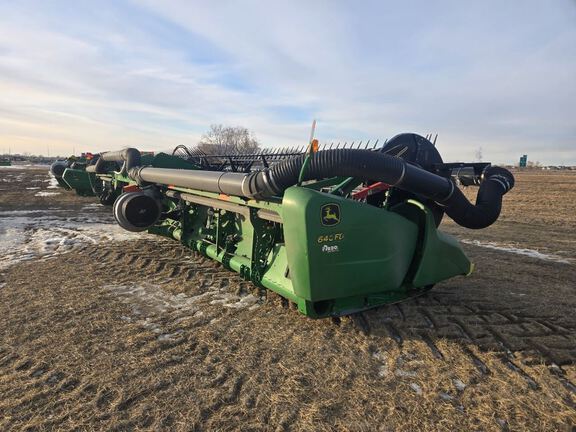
{"x": 334, "y": 231}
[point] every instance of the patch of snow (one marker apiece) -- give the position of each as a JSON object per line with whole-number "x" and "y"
{"x": 169, "y": 336}
{"x": 41, "y": 234}
{"x": 383, "y": 371}
{"x": 246, "y": 301}
{"x": 32, "y": 188}
{"x": 5, "y": 213}
{"x": 445, "y": 396}
{"x": 12, "y": 178}
{"x": 234, "y": 301}
{"x": 416, "y": 388}
{"x": 24, "y": 166}
{"x": 383, "y": 367}
{"x": 46, "y": 194}
{"x": 91, "y": 206}
{"x": 519, "y": 251}
{"x": 151, "y": 303}
{"x": 405, "y": 374}
{"x": 460, "y": 386}
{"x": 52, "y": 183}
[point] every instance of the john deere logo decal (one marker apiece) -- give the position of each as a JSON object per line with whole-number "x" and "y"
{"x": 330, "y": 214}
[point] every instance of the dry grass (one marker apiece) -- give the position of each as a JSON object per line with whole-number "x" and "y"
{"x": 495, "y": 351}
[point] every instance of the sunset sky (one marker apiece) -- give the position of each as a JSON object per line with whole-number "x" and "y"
{"x": 101, "y": 75}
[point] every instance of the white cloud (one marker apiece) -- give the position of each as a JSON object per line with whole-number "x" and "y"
{"x": 154, "y": 73}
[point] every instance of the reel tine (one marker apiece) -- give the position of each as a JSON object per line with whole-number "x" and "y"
{"x": 376, "y": 143}
{"x": 435, "y": 139}
{"x": 367, "y": 144}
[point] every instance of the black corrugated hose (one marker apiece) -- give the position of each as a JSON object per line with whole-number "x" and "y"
{"x": 396, "y": 172}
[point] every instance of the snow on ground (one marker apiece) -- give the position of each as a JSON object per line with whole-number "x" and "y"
{"x": 519, "y": 251}
{"x": 152, "y": 307}
{"x": 52, "y": 183}
{"x": 27, "y": 166}
{"x": 39, "y": 234}
{"x": 46, "y": 194}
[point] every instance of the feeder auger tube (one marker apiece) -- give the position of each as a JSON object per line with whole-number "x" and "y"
{"x": 361, "y": 164}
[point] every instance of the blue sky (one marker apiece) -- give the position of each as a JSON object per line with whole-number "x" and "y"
{"x": 98, "y": 75}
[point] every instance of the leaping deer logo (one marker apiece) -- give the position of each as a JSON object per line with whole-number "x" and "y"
{"x": 330, "y": 214}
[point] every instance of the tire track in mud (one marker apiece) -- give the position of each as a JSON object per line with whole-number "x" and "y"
{"x": 488, "y": 325}
{"x": 179, "y": 286}
{"x": 441, "y": 314}
{"x": 520, "y": 340}
{"x": 169, "y": 344}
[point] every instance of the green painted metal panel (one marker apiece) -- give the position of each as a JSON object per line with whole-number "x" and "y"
{"x": 79, "y": 180}
{"x": 441, "y": 254}
{"x": 369, "y": 250}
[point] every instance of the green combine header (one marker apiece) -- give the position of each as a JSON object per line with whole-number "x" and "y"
{"x": 335, "y": 231}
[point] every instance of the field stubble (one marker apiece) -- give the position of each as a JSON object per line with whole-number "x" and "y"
{"x": 142, "y": 334}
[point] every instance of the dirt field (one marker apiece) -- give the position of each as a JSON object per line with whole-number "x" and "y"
{"x": 103, "y": 330}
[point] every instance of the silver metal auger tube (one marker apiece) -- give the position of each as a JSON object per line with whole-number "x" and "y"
{"x": 129, "y": 156}
{"x": 229, "y": 183}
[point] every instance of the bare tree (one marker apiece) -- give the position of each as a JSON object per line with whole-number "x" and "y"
{"x": 222, "y": 140}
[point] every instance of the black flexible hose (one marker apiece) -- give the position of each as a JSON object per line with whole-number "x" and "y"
{"x": 396, "y": 172}
{"x": 496, "y": 182}
{"x": 361, "y": 164}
